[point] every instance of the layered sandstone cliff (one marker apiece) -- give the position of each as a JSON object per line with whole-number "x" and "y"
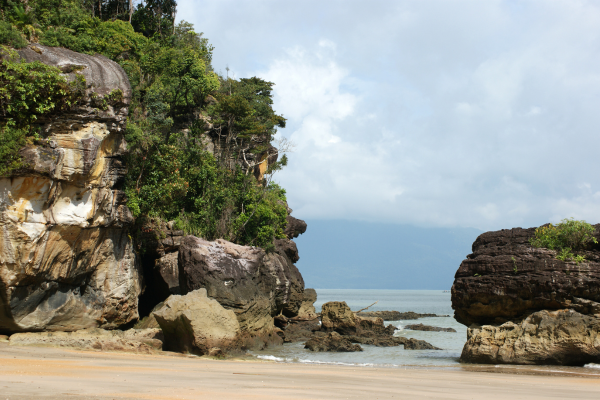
{"x": 524, "y": 306}
{"x": 66, "y": 259}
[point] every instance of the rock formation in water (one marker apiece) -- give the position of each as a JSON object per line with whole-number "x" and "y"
{"x": 66, "y": 258}
{"x": 349, "y": 327}
{"x": 524, "y": 306}
{"x": 428, "y": 328}
{"x": 397, "y": 315}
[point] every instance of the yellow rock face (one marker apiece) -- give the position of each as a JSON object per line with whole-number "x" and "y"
{"x": 66, "y": 258}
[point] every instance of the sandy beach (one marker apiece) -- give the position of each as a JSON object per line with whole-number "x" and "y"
{"x": 49, "y": 373}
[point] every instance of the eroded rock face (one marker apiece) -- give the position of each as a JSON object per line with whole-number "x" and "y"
{"x": 289, "y": 289}
{"x": 307, "y": 308}
{"x": 524, "y": 306}
{"x": 563, "y": 337}
{"x": 195, "y": 323}
{"x": 66, "y": 259}
{"x": 506, "y": 278}
{"x": 233, "y": 275}
{"x": 337, "y": 316}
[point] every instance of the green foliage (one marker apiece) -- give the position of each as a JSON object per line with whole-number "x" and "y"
{"x": 567, "y": 237}
{"x": 175, "y": 92}
{"x": 515, "y": 269}
{"x": 11, "y": 140}
{"x": 11, "y": 36}
{"x": 31, "y": 90}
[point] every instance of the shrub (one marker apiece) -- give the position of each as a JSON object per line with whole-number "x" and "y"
{"x": 10, "y": 36}
{"x": 567, "y": 237}
{"x": 11, "y": 140}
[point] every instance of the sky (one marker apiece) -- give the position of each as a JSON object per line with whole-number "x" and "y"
{"x": 480, "y": 114}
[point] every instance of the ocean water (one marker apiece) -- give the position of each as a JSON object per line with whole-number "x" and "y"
{"x": 420, "y": 301}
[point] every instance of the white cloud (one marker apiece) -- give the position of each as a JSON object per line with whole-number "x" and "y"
{"x": 467, "y": 113}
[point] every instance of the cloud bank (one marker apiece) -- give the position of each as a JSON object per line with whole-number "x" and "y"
{"x": 437, "y": 113}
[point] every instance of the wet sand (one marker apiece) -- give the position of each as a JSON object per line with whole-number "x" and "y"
{"x": 49, "y": 373}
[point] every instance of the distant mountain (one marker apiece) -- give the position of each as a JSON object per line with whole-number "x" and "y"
{"x": 336, "y": 254}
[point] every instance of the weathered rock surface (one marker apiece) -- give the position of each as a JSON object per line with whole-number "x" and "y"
{"x": 66, "y": 259}
{"x": 337, "y": 317}
{"x": 506, "y": 278}
{"x": 534, "y": 308}
{"x": 132, "y": 340}
{"x": 396, "y": 315}
{"x": 233, "y": 275}
{"x": 307, "y": 307}
{"x": 333, "y": 341}
{"x": 289, "y": 284}
{"x": 167, "y": 270}
{"x": 195, "y": 323}
{"x": 428, "y": 328}
{"x": 563, "y": 337}
{"x": 295, "y": 227}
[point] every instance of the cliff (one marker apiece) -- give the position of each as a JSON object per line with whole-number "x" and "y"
{"x": 66, "y": 259}
{"x": 524, "y": 306}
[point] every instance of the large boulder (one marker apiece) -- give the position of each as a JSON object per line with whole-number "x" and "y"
{"x": 507, "y": 278}
{"x": 337, "y": 316}
{"x": 509, "y": 292}
{"x": 233, "y": 275}
{"x": 66, "y": 258}
{"x": 197, "y": 324}
{"x": 563, "y": 337}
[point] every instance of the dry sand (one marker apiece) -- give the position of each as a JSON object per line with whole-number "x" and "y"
{"x": 48, "y": 373}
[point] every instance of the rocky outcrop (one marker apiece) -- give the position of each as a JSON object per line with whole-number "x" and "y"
{"x": 233, "y": 275}
{"x": 294, "y": 227}
{"x": 197, "y": 324}
{"x": 428, "y": 328}
{"x": 307, "y": 307}
{"x": 509, "y": 293}
{"x": 506, "y": 278}
{"x": 337, "y": 317}
{"x": 132, "y": 340}
{"x": 66, "y": 258}
{"x": 333, "y": 341}
{"x": 563, "y": 337}
{"x": 396, "y": 315}
{"x": 289, "y": 284}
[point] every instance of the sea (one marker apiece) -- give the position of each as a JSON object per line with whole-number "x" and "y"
{"x": 420, "y": 301}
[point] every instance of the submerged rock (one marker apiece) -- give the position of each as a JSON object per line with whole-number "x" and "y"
{"x": 333, "y": 341}
{"x": 132, "y": 340}
{"x": 396, "y": 315}
{"x": 196, "y": 324}
{"x": 563, "y": 337}
{"x": 428, "y": 328}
